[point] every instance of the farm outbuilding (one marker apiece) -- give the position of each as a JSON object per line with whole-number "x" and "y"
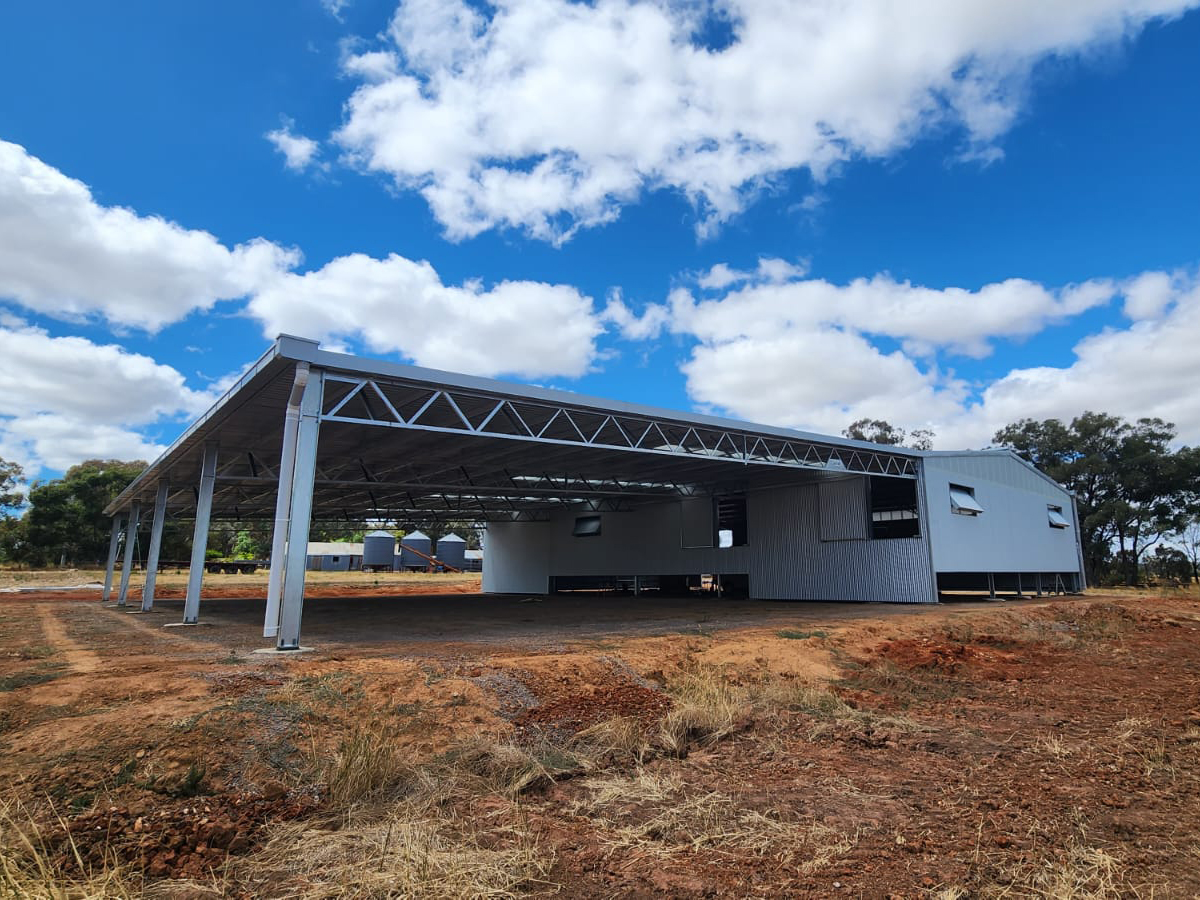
{"x": 334, "y": 556}
{"x": 575, "y": 491}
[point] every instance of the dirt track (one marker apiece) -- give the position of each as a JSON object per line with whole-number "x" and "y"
{"x": 983, "y": 744}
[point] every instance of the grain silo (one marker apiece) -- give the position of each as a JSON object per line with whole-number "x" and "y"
{"x": 451, "y": 550}
{"x": 379, "y": 551}
{"x": 415, "y": 549}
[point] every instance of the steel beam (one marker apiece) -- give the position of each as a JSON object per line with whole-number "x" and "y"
{"x": 283, "y": 501}
{"x": 441, "y": 411}
{"x": 113, "y": 540}
{"x": 131, "y": 530}
{"x": 156, "y": 532}
{"x": 303, "y": 477}
{"x": 208, "y": 473}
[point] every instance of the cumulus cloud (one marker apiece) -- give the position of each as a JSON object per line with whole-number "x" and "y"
{"x": 299, "y": 152}
{"x": 769, "y": 271}
{"x": 396, "y": 305}
{"x": 65, "y": 399}
{"x": 807, "y": 354}
{"x": 818, "y": 380}
{"x": 548, "y": 115}
{"x": 925, "y": 319}
{"x": 65, "y": 255}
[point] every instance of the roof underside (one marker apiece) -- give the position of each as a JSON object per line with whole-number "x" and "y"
{"x": 404, "y": 443}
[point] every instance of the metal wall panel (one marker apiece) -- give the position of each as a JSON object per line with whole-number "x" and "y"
{"x": 1013, "y": 533}
{"x": 791, "y": 561}
{"x": 696, "y": 522}
{"x": 517, "y": 560}
{"x": 785, "y": 557}
{"x": 844, "y": 512}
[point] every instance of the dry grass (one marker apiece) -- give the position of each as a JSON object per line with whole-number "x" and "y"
{"x": 1052, "y": 745}
{"x": 1134, "y": 735}
{"x": 484, "y": 766}
{"x": 622, "y": 740}
{"x": 640, "y": 787}
{"x": 655, "y": 815}
{"x": 28, "y": 869}
{"x": 1079, "y": 872}
{"x": 368, "y": 765}
{"x": 772, "y": 694}
{"x": 398, "y": 829}
{"x": 707, "y": 708}
{"x": 410, "y": 852}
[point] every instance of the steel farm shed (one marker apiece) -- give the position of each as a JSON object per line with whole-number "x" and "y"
{"x": 576, "y": 490}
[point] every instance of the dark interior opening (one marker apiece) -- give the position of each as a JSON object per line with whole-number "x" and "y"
{"x": 894, "y": 508}
{"x": 730, "y": 522}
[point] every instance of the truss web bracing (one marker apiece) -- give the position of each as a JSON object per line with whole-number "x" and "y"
{"x": 396, "y": 404}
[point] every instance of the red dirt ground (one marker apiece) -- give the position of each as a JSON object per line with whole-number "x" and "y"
{"x": 988, "y": 746}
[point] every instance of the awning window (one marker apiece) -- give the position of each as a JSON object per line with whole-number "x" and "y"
{"x": 962, "y": 501}
{"x": 1057, "y": 519}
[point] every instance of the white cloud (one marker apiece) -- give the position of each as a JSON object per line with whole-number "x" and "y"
{"x": 648, "y": 326}
{"x": 769, "y": 271}
{"x": 925, "y": 319}
{"x": 66, "y": 399}
{"x": 548, "y": 115}
{"x": 335, "y": 7}
{"x": 397, "y": 305}
{"x": 819, "y": 380}
{"x": 803, "y": 354}
{"x": 65, "y": 255}
{"x": 299, "y": 152}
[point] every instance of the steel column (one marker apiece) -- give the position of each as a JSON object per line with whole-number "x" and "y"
{"x": 156, "y": 530}
{"x": 131, "y": 530}
{"x": 303, "y": 478}
{"x": 283, "y": 501}
{"x": 113, "y": 541}
{"x": 208, "y": 476}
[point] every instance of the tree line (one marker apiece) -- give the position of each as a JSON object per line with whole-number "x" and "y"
{"x": 1138, "y": 500}
{"x": 61, "y": 521}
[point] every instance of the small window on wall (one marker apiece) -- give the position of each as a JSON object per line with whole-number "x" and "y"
{"x": 962, "y": 501}
{"x": 337, "y": 559}
{"x": 587, "y": 526}
{"x": 894, "y": 508}
{"x": 730, "y": 522}
{"x": 1057, "y": 519}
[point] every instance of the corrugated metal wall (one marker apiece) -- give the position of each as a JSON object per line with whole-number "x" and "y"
{"x": 785, "y": 557}
{"x": 844, "y": 512}
{"x": 1013, "y": 533}
{"x": 791, "y": 561}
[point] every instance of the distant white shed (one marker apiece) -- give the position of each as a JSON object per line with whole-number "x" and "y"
{"x": 334, "y": 556}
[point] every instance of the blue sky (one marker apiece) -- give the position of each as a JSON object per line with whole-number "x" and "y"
{"x": 799, "y": 213}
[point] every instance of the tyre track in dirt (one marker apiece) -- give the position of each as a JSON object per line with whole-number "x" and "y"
{"x": 81, "y": 660}
{"x": 136, "y": 621}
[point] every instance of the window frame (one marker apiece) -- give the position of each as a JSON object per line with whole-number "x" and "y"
{"x": 971, "y": 507}
{"x": 1052, "y": 511}
{"x": 743, "y": 519}
{"x": 580, "y": 530}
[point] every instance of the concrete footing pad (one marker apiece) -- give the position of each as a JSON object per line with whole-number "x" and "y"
{"x": 282, "y": 653}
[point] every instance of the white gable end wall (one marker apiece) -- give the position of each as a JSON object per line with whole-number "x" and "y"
{"x": 1013, "y": 533}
